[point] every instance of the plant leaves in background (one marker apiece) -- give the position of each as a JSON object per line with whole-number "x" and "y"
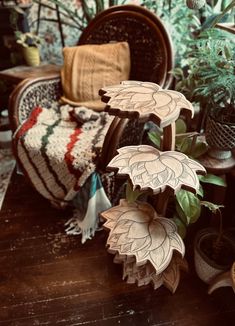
{"x": 181, "y": 227}
{"x": 212, "y": 207}
{"x": 200, "y": 191}
{"x": 210, "y": 20}
{"x": 180, "y": 126}
{"x": 132, "y": 195}
{"x": 213, "y": 179}
{"x": 189, "y": 204}
{"x": 155, "y": 139}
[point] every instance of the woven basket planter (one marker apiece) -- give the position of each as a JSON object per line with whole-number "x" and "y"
{"x": 205, "y": 267}
{"x": 220, "y": 137}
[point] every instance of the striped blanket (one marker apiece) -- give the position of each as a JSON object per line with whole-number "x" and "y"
{"x": 57, "y": 149}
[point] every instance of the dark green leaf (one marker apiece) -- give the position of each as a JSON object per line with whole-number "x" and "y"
{"x": 132, "y": 195}
{"x": 186, "y": 145}
{"x": 181, "y": 126}
{"x": 200, "y": 191}
{"x": 181, "y": 227}
{"x": 155, "y": 138}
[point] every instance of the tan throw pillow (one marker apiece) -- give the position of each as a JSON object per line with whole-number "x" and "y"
{"x": 89, "y": 67}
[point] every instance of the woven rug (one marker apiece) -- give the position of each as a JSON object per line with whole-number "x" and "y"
{"x": 7, "y": 164}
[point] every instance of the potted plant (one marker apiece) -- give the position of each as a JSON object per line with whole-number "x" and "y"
{"x": 214, "y": 251}
{"x": 30, "y": 47}
{"x": 210, "y": 81}
{"x": 186, "y": 206}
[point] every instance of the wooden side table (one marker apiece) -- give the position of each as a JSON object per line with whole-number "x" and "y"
{"x": 16, "y": 74}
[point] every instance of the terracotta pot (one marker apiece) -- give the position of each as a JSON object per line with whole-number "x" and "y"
{"x": 31, "y": 56}
{"x": 206, "y": 268}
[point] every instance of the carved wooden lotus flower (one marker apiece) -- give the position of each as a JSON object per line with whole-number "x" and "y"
{"x": 145, "y": 100}
{"x": 148, "y": 167}
{"x": 143, "y": 275}
{"x": 137, "y": 230}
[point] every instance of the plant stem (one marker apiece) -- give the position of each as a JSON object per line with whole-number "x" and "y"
{"x": 224, "y": 12}
{"x": 162, "y": 201}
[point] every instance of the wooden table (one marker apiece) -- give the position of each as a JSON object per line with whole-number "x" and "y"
{"x": 16, "y": 74}
{"x": 48, "y": 277}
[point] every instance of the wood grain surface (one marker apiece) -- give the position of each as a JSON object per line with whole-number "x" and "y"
{"x": 49, "y": 278}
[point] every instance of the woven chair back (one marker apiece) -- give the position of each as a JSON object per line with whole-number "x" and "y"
{"x": 150, "y": 44}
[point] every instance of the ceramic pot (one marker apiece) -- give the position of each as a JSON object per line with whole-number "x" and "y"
{"x": 205, "y": 267}
{"x": 31, "y": 56}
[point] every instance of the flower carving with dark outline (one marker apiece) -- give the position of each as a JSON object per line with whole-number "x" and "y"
{"x": 137, "y": 230}
{"x": 146, "y": 100}
{"x": 149, "y": 168}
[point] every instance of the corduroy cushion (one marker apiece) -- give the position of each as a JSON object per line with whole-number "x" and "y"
{"x": 87, "y": 68}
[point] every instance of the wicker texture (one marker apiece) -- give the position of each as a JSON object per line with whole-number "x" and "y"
{"x": 150, "y": 45}
{"x": 44, "y": 93}
{"x": 220, "y": 135}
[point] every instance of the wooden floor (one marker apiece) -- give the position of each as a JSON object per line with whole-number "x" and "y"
{"x": 49, "y": 278}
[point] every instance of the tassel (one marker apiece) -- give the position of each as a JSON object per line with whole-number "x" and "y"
{"x": 195, "y": 4}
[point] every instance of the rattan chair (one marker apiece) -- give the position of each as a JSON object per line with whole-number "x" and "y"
{"x": 151, "y": 60}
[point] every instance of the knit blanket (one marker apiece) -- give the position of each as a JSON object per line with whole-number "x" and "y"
{"x": 57, "y": 149}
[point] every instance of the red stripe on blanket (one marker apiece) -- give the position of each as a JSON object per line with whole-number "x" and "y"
{"x": 29, "y": 123}
{"x": 18, "y": 137}
{"x": 69, "y": 158}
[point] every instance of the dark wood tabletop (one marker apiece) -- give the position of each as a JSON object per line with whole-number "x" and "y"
{"x": 16, "y": 74}
{"x": 48, "y": 277}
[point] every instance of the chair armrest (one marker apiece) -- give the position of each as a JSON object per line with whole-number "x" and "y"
{"x": 43, "y": 91}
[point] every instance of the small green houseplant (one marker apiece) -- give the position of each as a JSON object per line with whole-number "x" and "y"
{"x": 30, "y": 47}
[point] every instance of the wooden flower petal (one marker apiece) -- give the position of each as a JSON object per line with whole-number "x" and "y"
{"x": 145, "y": 100}
{"x": 149, "y": 168}
{"x": 145, "y": 274}
{"x": 154, "y": 240}
{"x": 170, "y": 277}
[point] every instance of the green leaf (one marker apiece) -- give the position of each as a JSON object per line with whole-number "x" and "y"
{"x": 200, "y": 191}
{"x": 213, "y": 179}
{"x": 181, "y": 126}
{"x": 132, "y": 195}
{"x": 190, "y": 205}
{"x": 181, "y": 215}
{"x": 181, "y": 227}
{"x": 199, "y": 149}
{"x": 155, "y": 139}
{"x": 185, "y": 145}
